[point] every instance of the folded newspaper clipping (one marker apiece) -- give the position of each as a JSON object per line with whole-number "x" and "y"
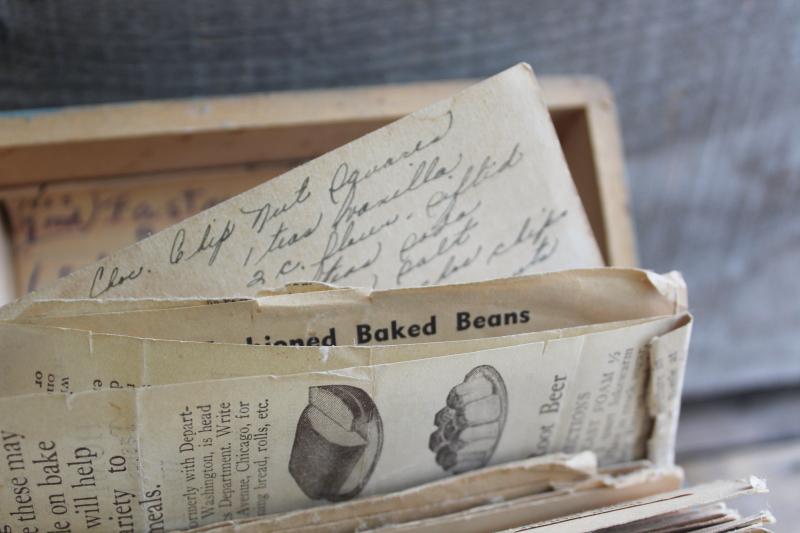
{"x": 227, "y": 429}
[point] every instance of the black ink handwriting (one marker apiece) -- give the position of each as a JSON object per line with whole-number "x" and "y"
{"x": 101, "y": 285}
{"x": 415, "y": 239}
{"x": 208, "y": 241}
{"x": 337, "y": 243}
{"x": 536, "y": 236}
{"x": 454, "y": 265}
{"x": 447, "y": 244}
{"x": 288, "y": 267}
{"x": 328, "y": 272}
{"x": 351, "y": 179}
{"x": 268, "y": 212}
{"x": 280, "y": 239}
{"x": 427, "y": 171}
{"x": 442, "y": 203}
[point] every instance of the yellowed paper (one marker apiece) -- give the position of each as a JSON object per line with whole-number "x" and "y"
{"x": 750, "y": 523}
{"x": 401, "y": 316}
{"x": 200, "y": 452}
{"x": 693, "y": 518}
{"x": 55, "y": 360}
{"x": 586, "y": 496}
{"x": 470, "y": 188}
{"x": 503, "y": 482}
{"x": 75, "y": 307}
{"x": 631, "y": 511}
{"x": 46, "y": 359}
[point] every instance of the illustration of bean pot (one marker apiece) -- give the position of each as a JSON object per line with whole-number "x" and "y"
{"x": 337, "y": 443}
{"x": 469, "y": 427}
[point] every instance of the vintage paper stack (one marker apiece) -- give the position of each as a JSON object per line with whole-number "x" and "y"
{"x": 412, "y": 332}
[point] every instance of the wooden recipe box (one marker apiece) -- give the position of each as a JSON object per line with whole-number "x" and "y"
{"x": 79, "y": 183}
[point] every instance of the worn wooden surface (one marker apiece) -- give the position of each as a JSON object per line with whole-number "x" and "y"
{"x": 777, "y": 462}
{"x": 707, "y": 94}
{"x": 734, "y": 436}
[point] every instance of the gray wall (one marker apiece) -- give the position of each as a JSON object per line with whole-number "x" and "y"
{"x": 707, "y": 92}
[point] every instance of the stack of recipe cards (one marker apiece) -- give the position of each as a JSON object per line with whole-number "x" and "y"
{"x": 412, "y": 332}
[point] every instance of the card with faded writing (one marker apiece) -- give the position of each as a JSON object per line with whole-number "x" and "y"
{"x": 470, "y": 188}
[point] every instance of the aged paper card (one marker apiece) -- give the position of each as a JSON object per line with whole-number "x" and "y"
{"x": 470, "y": 188}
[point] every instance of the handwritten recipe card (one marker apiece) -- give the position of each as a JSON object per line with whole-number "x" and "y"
{"x": 470, "y": 188}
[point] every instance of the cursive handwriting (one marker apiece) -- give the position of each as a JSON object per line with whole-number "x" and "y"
{"x": 289, "y": 266}
{"x": 453, "y": 265}
{"x": 49, "y": 213}
{"x": 337, "y": 244}
{"x": 447, "y": 245}
{"x": 415, "y": 239}
{"x": 330, "y": 266}
{"x": 427, "y": 171}
{"x": 344, "y": 177}
{"x": 208, "y": 242}
{"x": 442, "y": 203}
{"x": 452, "y": 224}
{"x": 535, "y": 236}
{"x": 281, "y": 239}
{"x": 268, "y": 212}
{"x": 332, "y": 272}
{"x": 100, "y": 285}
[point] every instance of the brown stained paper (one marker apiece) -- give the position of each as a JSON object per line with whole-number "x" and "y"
{"x": 194, "y": 453}
{"x": 470, "y": 188}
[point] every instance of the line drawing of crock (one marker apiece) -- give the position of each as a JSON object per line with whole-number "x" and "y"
{"x": 337, "y": 443}
{"x": 470, "y": 425}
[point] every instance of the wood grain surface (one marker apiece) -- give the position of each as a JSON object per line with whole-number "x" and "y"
{"x": 706, "y": 91}
{"x": 776, "y": 462}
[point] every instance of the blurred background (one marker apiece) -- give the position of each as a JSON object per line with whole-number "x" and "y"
{"x": 707, "y": 96}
